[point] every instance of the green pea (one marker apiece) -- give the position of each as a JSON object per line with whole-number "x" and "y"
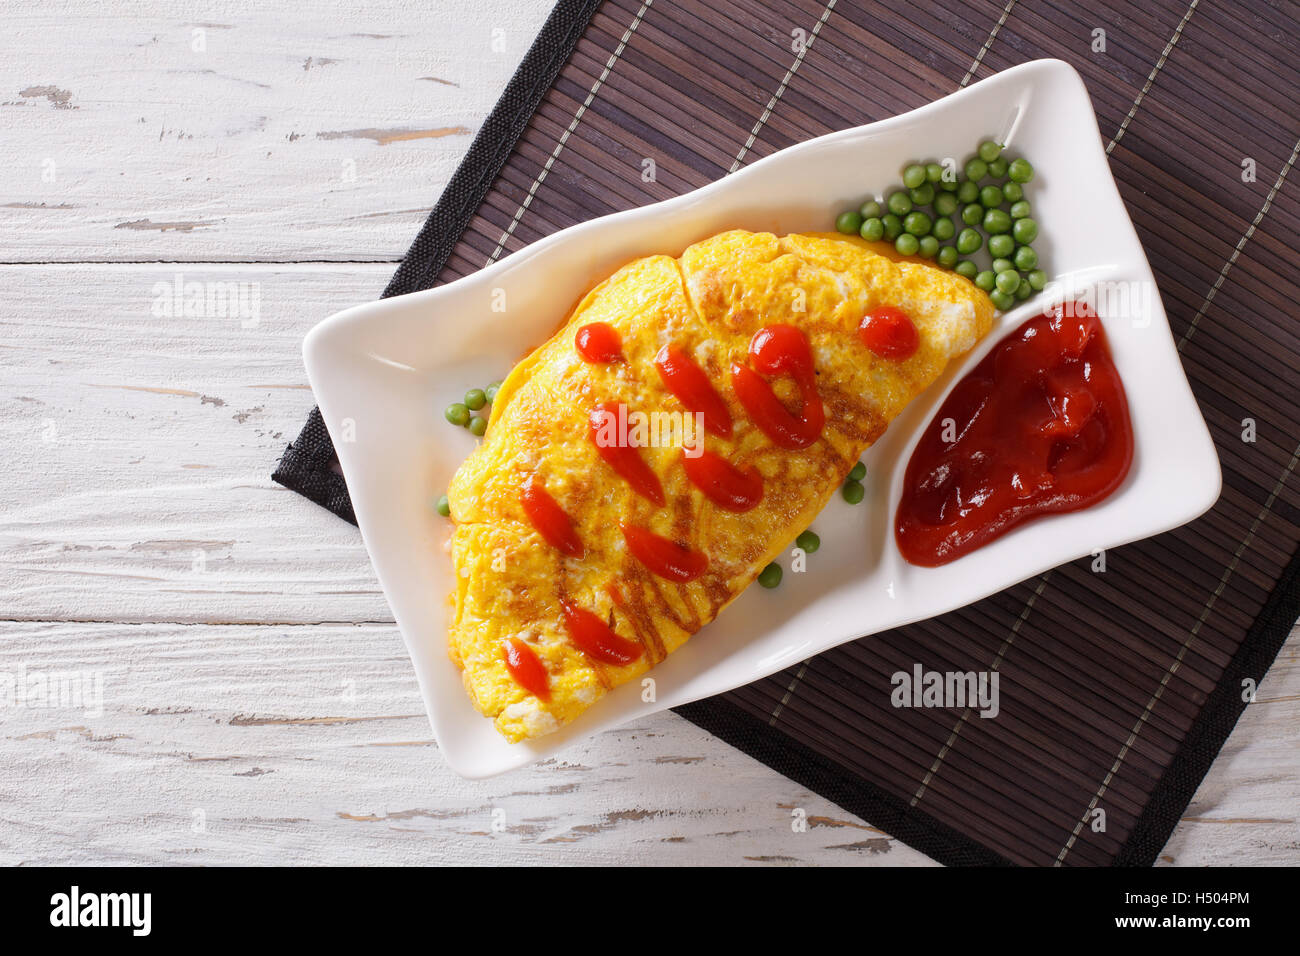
{"x": 968, "y": 269}
{"x": 998, "y": 168}
{"x": 907, "y": 244}
{"x": 913, "y": 176}
{"x": 1001, "y": 246}
{"x": 770, "y": 576}
{"x": 943, "y": 229}
{"x": 853, "y": 492}
{"x": 1023, "y": 291}
{"x": 1020, "y": 171}
{"x": 947, "y": 257}
{"x": 967, "y": 192}
{"x": 989, "y": 150}
{"x": 922, "y": 195}
{"x": 808, "y": 542}
{"x": 986, "y": 280}
{"x": 872, "y": 229}
{"x": 457, "y": 413}
{"x": 929, "y": 247}
{"x": 870, "y": 210}
{"x": 976, "y": 169}
{"x": 947, "y": 185}
{"x": 849, "y": 222}
{"x": 477, "y": 426}
{"x": 475, "y": 399}
{"x": 893, "y": 226}
{"x": 1025, "y": 231}
{"x": 491, "y": 391}
{"x": 990, "y": 196}
{"x": 945, "y": 204}
{"x": 1013, "y": 192}
{"x": 1019, "y": 210}
{"x": 1001, "y": 300}
{"x": 1037, "y": 279}
{"x": 968, "y": 241}
{"x": 973, "y": 214}
{"x": 1003, "y": 265}
{"x": 899, "y": 203}
{"x": 917, "y": 223}
{"x": 996, "y": 221}
{"x": 857, "y": 472}
{"x": 1008, "y": 281}
{"x": 443, "y": 507}
{"x": 933, "y": 172}
{"x": 1025, "y": 259}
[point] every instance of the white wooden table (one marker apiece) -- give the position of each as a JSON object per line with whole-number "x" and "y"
{"x": 257, "y": 703}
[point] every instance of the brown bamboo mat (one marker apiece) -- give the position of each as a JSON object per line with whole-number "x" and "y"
{"x": 1117, "y": 689}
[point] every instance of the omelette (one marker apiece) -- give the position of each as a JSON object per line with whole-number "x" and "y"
{"x": 586, "y": 552}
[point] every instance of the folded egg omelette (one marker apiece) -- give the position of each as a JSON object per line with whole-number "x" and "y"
{"x": 553, "y": 606}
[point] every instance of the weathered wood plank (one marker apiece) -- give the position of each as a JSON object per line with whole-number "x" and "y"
{"x": 140, "y": 446}
{"x": 215, "y": 742}
{"x": 152, "y": 132}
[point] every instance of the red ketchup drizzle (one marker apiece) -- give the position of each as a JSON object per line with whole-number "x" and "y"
{"x": 727, "y": 486}
{"x": 598, "y": 342}
{"x": 889, "y": 333}
{"x": 525, "y": 668}
{"x": 776, "y": 350}
{"x": 550, "y": 520}
{"x": 624, "y": 459}
{"x": 693, "y": 389}
{"x": 1041, "y": 425}
{"x": 664, "y": 557}
{"x": 597, "y": 639}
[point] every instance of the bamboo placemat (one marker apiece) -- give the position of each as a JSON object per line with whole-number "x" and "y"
{"x": 1118, "y": 688}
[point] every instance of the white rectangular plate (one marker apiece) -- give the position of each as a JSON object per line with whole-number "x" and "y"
{"x": 383, "y": 372}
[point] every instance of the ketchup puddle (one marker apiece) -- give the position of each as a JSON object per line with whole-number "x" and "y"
{"x": 1040, "y": 426}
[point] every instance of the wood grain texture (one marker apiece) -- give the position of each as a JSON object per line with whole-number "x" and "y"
{"x": 151, "y": 131}
{"x": 142, "y": 543}
{"x": 143, "y": 447}
{"x": 309, "y": 744}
